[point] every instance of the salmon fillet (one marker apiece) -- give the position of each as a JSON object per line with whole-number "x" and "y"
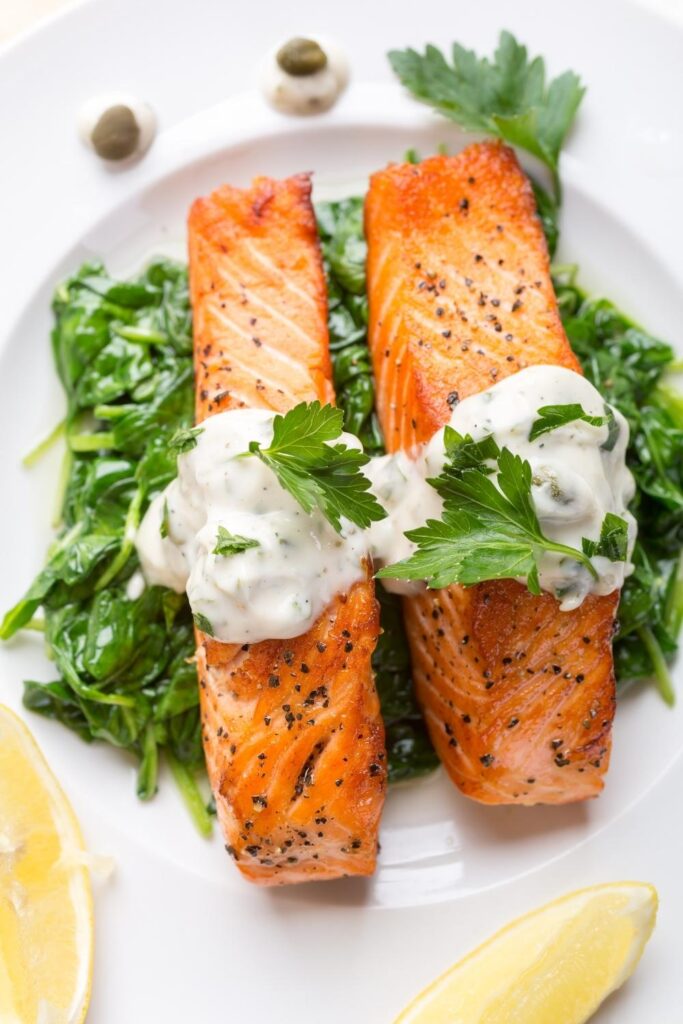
{"x": 292, "y": 730}
{"x": 518, "y": 696}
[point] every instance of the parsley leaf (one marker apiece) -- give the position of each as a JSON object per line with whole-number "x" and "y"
{"x": 201, "y": 622}
{"x": 185, "y": 440}
{"x": 553, "y": 416}
{"x": 488, "y": 531}
{"x": 318, "y": 474}
{"x": 464, "y": 453}
{"x": 613, "y": 543}
{"x": 232, "y": 543}
{"x": 462, "y": 549}
{"x": 506, "y": 97}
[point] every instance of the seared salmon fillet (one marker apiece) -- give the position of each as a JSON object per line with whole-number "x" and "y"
{"x": 518, "y": 696}
{"x": 292, "y": 730}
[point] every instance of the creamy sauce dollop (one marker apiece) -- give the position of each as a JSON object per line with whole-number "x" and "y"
{"x": 275, "y": 590}
{"x": 576, "y": 479}
{"x": 278, "y": 588}
{"x": 399, "y": 482}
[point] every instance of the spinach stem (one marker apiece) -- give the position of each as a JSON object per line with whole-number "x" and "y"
{"x": 110, "y": 412}
{"x": 62, "y": 484}
{"x": 142, "y": 335}
{"x": 116, "y": 311}
{"x": 91, "y": 442}
{"x": 90, "y": 692}
{"x": 149, "y": 767}
{"x": 673, "y": 613}
{"x": 565, "y": 273}
{"x": 655, "y": 453}
{"x": 60, "y": 543}
{"x": 128, "y": 542}
{"x": 37, "y": 452}
{"x": 659, "y": 665}
{"x": 671, "y": 399}
{"x": 35, "y": 625}
{"x": 186, "y": 782}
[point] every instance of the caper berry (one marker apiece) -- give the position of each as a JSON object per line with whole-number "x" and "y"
{"x": 300, "y": 57}
{"x": 116, "y": 134}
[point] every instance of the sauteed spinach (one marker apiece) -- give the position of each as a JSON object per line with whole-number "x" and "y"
{"x": 629, "y": 366}
{"x": 123, "y": 352}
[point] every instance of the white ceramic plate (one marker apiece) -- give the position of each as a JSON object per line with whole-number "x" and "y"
{"x": 180, "y": 936}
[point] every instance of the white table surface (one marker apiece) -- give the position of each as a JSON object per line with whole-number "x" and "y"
{"x": 18, "y": 16}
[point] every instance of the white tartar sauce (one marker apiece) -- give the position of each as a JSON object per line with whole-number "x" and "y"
{"x": 275, "y": 590}
{"x": 575, "y": 482}
{"x": 399, "y": 482}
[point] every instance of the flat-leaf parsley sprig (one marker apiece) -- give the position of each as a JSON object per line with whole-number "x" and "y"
{"x": 506, "y": 97}
{"x": 489, "y": 530}
{"x": 319, "y": 474}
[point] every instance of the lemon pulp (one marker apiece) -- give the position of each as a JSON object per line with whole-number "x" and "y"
{"x": 557, "y": 963}
{"x": 46, "y": 932}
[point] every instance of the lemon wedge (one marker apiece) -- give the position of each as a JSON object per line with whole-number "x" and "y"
{"x": 46, "y": 931}
{"x": 557, "y": 963}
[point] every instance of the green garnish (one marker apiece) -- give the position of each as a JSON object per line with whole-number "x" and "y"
{"x": 232, "y": 543}
{"x": 164, "y": 525}
{"x": 316, "y": 473}
{"x": 465, "y": 453}
{"x": 489, "y": 531}
{"x": 201, "y": 622}
{"x": 185, "y": 440}
{"x": 553, "y": 416}
{"x": 506, "y": 97}
{"x": 613, "y": 542}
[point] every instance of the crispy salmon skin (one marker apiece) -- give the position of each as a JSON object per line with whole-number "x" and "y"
{"x": 518, "y": 696}
{"x": 292, "y": 730}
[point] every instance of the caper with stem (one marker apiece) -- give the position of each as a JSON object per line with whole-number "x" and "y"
{"x": 301, "y": 57}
